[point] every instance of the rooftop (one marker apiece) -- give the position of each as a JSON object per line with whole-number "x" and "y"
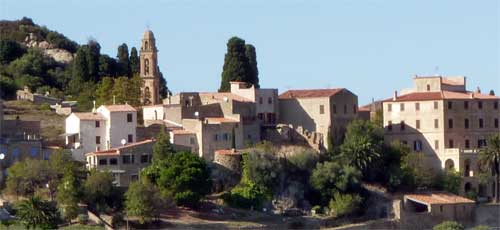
{"x": 220, "y": 120}
{"x": 438, "y": 198}
{"x": 181, "y": 132}
{"x": 116, "y": 150}
{"x": 120, "y": 108}
{"x": 309, "y": 93}
{"x": 228, "y": 152}
{"x": 222, "y": 96}
{"x": 427, "y": 96}
{"x": 89, "y": 116}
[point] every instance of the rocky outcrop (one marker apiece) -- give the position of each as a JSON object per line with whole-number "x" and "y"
{"x": 59, "y": 55}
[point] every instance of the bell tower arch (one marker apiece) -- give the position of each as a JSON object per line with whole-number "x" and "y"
{"x": 149, "y": 71}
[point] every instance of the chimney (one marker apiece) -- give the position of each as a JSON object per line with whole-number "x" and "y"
{"x": 492, "y": 93}
{"x": 395, "y": 96}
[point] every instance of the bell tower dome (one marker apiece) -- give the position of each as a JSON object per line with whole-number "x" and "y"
{"x": 149, "y": 71}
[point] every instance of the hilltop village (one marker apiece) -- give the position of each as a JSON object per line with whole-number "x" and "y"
{"x": 136, "y": 155}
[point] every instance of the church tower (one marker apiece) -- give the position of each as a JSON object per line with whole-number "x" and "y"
{"x": 149, "y": 70}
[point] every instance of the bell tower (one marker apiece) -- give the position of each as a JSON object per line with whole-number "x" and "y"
{"x": 149, "y": 70}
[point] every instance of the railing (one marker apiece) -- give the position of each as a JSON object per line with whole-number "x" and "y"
{"x": 452, "y": 151}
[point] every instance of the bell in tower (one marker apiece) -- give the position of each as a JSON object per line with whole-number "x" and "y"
{"x": 149, "y": 70}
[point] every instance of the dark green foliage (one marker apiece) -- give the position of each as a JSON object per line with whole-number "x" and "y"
{"x": 246, "y": 195}
{"x": 9, "y": 51}
{"x": 34, "y": 213}
{"x": 25, "y": 177}
{"x": 98, "y": 189}
{"x": 449, "y": 225}
{"x": 123, "y": 60}
{"x": 252, "y": 61}
{"x": 451, "y": 181}
{"x": 103, "y": 97}
{"x": 237, "y": 65}
{"x": 489, "y": 158}
{"x": 108, "y": 67}
{"x": 263, "y": 168}
{"x": 418, "y": 174}
{"x": 68, "y": 196}
{"x": 93, "y": 56}
{"x": 162, "y": 149}
{"x": 7, "y": 88}
{"x": 134, "y": 61}
{"x": 60, "y": 41}
{"x": 344, "y": 204}
{"x": 163, "y": 91}
{"x": 143, "y": 200}
{"x": 329, "y": 178}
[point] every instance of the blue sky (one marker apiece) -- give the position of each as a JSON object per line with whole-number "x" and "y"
{"x": 370, "y": 47}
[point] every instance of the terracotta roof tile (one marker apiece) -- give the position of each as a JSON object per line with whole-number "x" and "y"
{"x": 438, "y": 198}
{"x": 89, "y": 116}
{"x": 308, "y": 93}
{"x": 182, "y": 132}
{"x": 227, "y": 152}
{"x": 120, "y": 108}
{"x": 221, "y": 120}
{"x": 426, "y": 96}
{"x": 115, "y": 151}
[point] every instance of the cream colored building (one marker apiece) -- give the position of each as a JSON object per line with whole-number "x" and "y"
{"x": 323, "y": 111}
{"x": 445, "y": 121}
{"x": 105, "y": 128}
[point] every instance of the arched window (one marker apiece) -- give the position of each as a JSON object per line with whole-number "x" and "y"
{"x": 146, "y": 45}
{"x": 449, "y": 165}
{"x": 146, "y": 66}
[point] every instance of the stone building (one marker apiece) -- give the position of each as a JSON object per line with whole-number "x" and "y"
{"x": 107, "y": 127}
{"x": 323, "y": 111}
{"x": 123, "y": 162}
{"x": 149, "y": 71}
{"x": 36, "y": 98}
{"x": 439, "y": 206}
{"x": 440, "y": 118}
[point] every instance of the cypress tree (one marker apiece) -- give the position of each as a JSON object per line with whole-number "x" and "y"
{"x": 93, "y": 53}
{"x": 252, "y": 62}
{"x": 123, "y": 60}
{"x": 134, "y": 61}
{"x": 236, "y": 67}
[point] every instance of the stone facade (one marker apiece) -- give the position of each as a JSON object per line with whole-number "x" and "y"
{"x": 446, "y": 122}
{"x": 149, "y": 70}
{"x": 36, "y": 98}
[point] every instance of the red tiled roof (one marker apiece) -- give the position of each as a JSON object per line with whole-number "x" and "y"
{"x": 221, "y": 120}
{"x": 426, "y": 96}
{"x": 227, "y": 152}
{"x": 307, "y": 93}
{"x": 120, "y": 108}
{"x": 89, "y": 116}
{"x": 182, "y": 132}
{"x": 115, "y": 151}
{"x": 438, "y": 198}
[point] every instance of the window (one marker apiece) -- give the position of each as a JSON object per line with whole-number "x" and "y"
{"x": 216, "y": 137}
{"x": 436, "y": 105}
{"x": 481, "y": 123}
{"x": 481, "y": 143}
{"x": 261, "y": 100}
{"x": 146, "y": 65}
{"x": 428, "y": 87}
{"x": 129, "y": 117}
{"x": 417, "y": 124}
{"x": 480, "y": 105}
{"x": 417, "y": 106}
{"x": 225, "y": 136}
{"x": 403, "y": 125}
{"x": 466, "y": 123}
{"x": 467, "y": 144}
{"x": 436, "y": 144}
{"x": 269, "y": 100}
{"x": 496, "y": 122}
{"x": 389, "y": 107}
{"x": 450, "y": 143}
{"x": 417, "y": 145}
{"x": 260, "y": 116}
{"x": 144, "y": 158}
{"x": 495, "y": 105}
{"x": 450, "y": 105}
{"x": 334, "y": 109}
{"x": 466, "y": 105}
{"x": 436, "y": 123}
{"x": 130, "y": 138}
{"x": 98, "y": 140}
{"x": 128, "y": 159}
{"x": 103, "y": 161}
{"x": 345, "y": 109}
{"x": 389, "y": 125}
{"x": 97, "y": 124}
{"x": 402, "y": 106}
{"x": 321, "y": 109}
{"x": 113, "y": 161}
{"x": 450, "y": 123}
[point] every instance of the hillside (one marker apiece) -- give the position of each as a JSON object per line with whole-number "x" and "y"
{"x": 47, "y": 61}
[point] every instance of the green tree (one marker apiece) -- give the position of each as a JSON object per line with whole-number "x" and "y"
{"x": 103, "y": 95}
{"x": 143, "y": 200}
{"x": 98, "y": 188}
{"x": 163, "y": 91}
{"x": 331, "y": 177}
{"x": 108, "y": 66}
{"x": 93, "y": 55}
{"x": 123, "y": 60}
{"x": 489, "y": 156}
{"x": 252, "y": 61}
{"x": 452, "y": 181}
{"x": 9, "y": 51}
{"x": 236, "y": 66}
{"x": 344, "y": 204}
{"x": 162, "y": 149}
{"x": 134, "y": 61}
{"x": 68, "y": 196}
{"x": 449, "y": 225}
{"x": 263, "y": 168}
{"x": 128, "y": 90}
{"x": 35, "y": 213}
{"x": 362, "y": 145}
{"x": 27, "y": 176}
{"x": 7, "y": 88}
{"x": 80, "y": 71}
{"x": 418, "y": 173}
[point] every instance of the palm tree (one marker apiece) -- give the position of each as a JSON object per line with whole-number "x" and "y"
{"x": 36, "y": 213}
{"x": 490, "y": 157}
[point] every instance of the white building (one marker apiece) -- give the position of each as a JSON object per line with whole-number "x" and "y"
{"x": 107, "y": 127}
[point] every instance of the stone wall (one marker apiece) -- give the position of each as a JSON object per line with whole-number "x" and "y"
{"x": 230, "y": 161}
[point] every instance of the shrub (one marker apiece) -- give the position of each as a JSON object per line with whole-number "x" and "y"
{"x": 246, "y": 195}
{"x": 187, "y": 198}
{"x": 471, "y": 195}
{"x": 448, "y": 225}
{"x": 83, "y": 218}
{"x": 317, "y": 209}
{"x": 344, "y": 204}
{"x": 44, "y": 107}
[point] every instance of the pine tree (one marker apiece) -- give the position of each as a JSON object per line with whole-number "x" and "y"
{"x": 103, "y": 91}
{"x": 123, "y": 60}
{"x": 163, "y": 91}
{"x": 134, "y": 61}
{"x": 93, "y": 54}
{"x": 252, "y": 61}
{"x": 162, "y": 149}
{"x": 236, "y": 66}
{"x": 79, "y": 70}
